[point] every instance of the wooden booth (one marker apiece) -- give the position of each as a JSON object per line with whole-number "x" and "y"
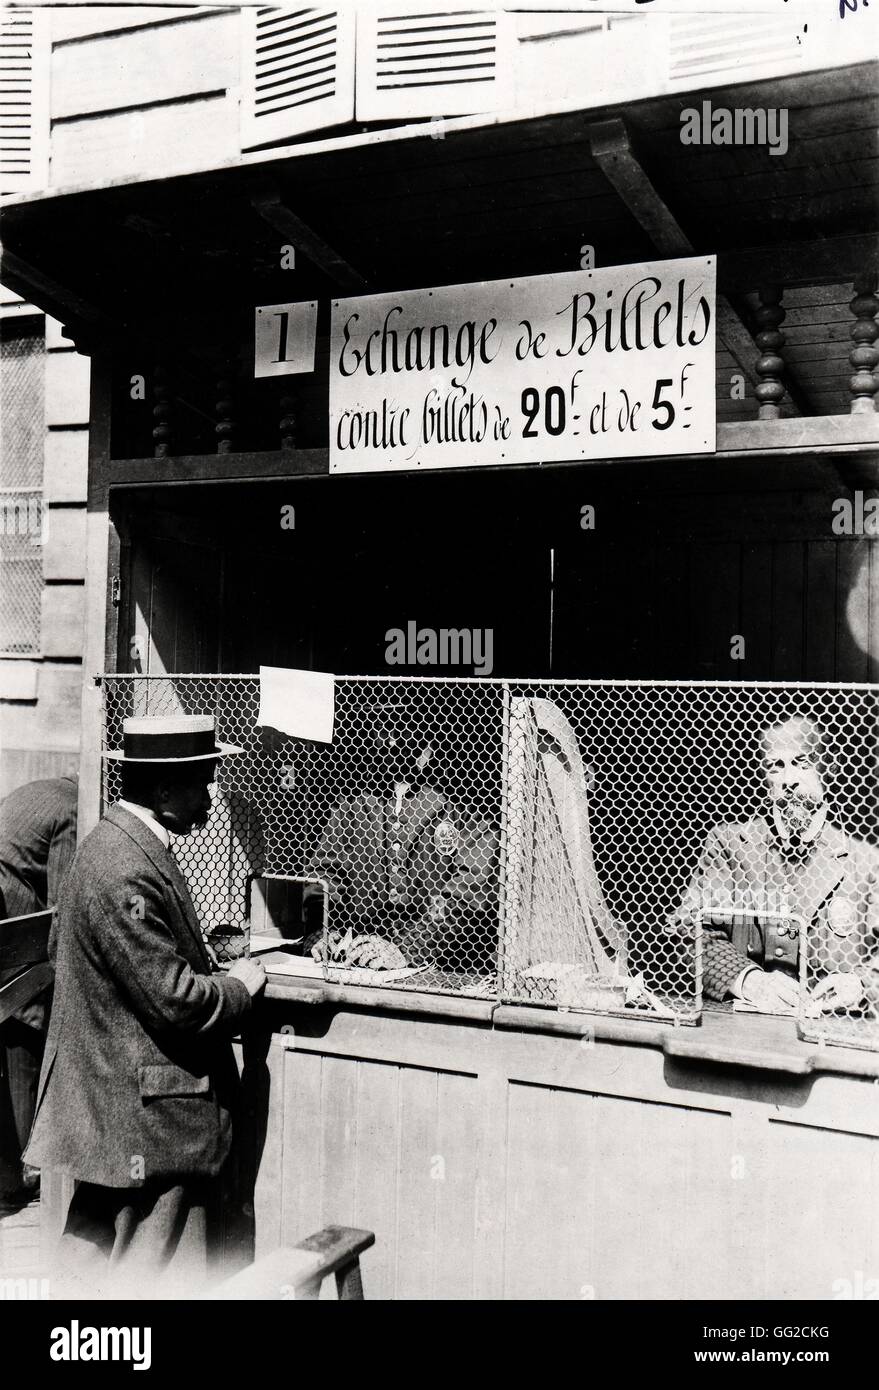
{"x": 502, "y": 1143}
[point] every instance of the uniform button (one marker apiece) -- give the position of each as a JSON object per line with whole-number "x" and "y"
{"x": 779, "y": 950}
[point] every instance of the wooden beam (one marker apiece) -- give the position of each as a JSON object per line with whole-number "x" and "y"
{"x": 276, "y": 213}
{"x": 613, "y": 153}
{"x": 217, "y": 468}
{"x": 817, "y": 434}
{"x": 86, "y": 322}
{"x": 832, "y": 260}
{"x": 94, "y": 332}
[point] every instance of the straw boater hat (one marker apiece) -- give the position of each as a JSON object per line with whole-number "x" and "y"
{"x": 176, "y": 738}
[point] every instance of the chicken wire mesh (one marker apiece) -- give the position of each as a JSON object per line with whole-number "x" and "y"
{"x": 614, "y": 847}
{"x": 22, "y": 430}
{"x": 21, "y": 573}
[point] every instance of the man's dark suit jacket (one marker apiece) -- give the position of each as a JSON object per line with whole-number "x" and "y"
{"x": 834, "y": 888}
{"x": 37, "y": 841}
{"x": 138, "y": 1080}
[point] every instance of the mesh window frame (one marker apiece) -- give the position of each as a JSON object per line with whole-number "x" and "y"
{"x": 601, "y": 847}
{"x": 22, "y": 463}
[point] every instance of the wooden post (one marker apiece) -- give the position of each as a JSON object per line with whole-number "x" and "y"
{"x": 161, "y": 413}
{"x": 864, "y": 355}
{"x": 225, "y": 426}
{"x": 98, "y": 594}
{"x": 770, "y": 364}
{"x": 288, "y": 423}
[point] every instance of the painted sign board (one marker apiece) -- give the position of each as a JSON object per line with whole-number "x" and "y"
{"x": 607, "y": 363}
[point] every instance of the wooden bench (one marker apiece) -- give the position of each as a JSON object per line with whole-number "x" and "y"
{"x": 297, "y": 1272}
{"x": 24, "y": 965}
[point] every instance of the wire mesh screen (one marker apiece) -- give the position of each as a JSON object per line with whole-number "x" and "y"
{"x": 21, "y": 577}
{"x": 22, "y": 431}
{"x": 400, "y": 816}
{"x": 618, "y": 847}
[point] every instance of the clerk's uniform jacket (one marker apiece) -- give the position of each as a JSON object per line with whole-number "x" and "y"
{"x": 138, "y": 1059}
{"x": 832, "y": 883}
{"x": 424, "y": 876}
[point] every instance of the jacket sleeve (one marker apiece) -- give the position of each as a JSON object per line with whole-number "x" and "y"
{"x": 870, "y": 974}
{"x": 713, "y": 887}
{"x": 474, "y": 876}
{"x": 333, "y": 859}
{"x": 129, "y": 924}
{"x": 61, "y": 851}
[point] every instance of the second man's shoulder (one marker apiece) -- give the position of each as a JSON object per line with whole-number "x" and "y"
{"x": 118, "y": 843}
{"x": 731, "y": 833}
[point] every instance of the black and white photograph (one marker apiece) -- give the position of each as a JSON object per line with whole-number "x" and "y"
{"x": 439, "y": 667}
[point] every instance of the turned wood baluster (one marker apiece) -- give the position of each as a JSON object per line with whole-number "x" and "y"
{"x": 864, "y": 355}
{"x": 770, "y": 364}
{"x": 225, "y": 426}
{"x": 161, "y": 413}
{"x": 288, "y": 423}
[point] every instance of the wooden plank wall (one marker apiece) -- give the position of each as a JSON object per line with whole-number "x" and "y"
{"x": 670, "y": 575}
{"x": 507, "y": 1165}
{"x": 807, "y": 610}
{"x": 153, "y": 91}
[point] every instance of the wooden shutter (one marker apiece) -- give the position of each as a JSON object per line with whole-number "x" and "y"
{"x": 298, "y": 71}
{"x": 707, "y": 48}
{"x": 432, "y": 61}
{"x": 24, "y": 104}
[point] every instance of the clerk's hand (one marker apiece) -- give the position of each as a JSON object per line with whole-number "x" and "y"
{"x": 375, "y": 953}
{"x": 770, "y": 991}
{"x": 838, "y": 991}
{"x": 315, "y": 945}
{"x": 251, "y": 974}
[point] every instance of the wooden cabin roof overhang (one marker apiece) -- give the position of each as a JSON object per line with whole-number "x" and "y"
{"x": 177, "y": 265}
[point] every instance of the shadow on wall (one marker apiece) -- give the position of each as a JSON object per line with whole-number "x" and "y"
{"x": 862, "y": 606}
{"x": 21, "y": 765}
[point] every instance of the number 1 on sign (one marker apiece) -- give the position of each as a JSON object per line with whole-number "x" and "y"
{"x": 284, "y": 338}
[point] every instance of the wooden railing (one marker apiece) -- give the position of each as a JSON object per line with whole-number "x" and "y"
{"x": 297, "y": 1272}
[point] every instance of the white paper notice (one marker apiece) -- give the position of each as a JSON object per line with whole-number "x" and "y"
{"x": 298, "y": 703}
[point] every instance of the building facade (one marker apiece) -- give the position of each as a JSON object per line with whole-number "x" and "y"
{"x": 217, "y": 164}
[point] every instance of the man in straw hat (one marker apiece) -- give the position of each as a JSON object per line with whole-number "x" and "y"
{"x": 139, "y": 1083}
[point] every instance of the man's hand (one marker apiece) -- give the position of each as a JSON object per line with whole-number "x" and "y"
{"x": 375, "y": 953}
{"x": 316, "y": 946}
{"x": 251, "y": 974}
{"x": 769, "y": 991}
{"x": 838, "y": 991}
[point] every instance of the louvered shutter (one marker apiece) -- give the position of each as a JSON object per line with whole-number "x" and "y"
{"x": 24, "y": 106}
{"x": 708, "y": 48}
{"x": 298, "y": 72}
{"x": 432, "y": 61}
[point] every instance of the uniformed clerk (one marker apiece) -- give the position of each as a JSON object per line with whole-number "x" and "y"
{"x": 412, "y": 873}
{"x": 756, "y": 878}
